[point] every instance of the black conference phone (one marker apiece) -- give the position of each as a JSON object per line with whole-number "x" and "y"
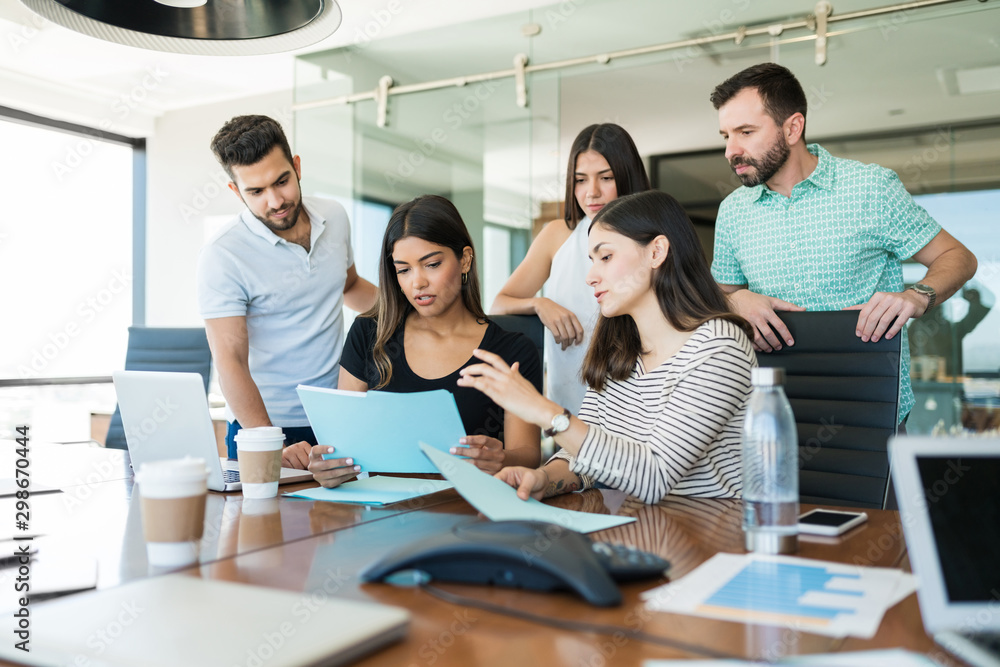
{"x": 523, "y": 554}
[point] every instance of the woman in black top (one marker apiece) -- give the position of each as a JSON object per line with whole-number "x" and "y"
{"x": 426, "y": 323}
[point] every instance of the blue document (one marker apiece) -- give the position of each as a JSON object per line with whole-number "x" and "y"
{"x": 375, "y": 490}
{"x": 499, "y": 502}
{"x": 381, "y": 430}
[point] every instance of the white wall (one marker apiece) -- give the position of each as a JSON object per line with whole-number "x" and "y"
{"x": 186, "y": 186}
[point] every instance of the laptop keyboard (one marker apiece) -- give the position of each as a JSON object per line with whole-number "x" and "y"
{"x": 987, "y": 640}
{"x": 230, "y": 476}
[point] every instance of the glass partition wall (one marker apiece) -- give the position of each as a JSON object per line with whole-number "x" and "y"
{"x": 953, "y": 172}
{"x": 504, "y": 165}
{"x": 471, "y": 144}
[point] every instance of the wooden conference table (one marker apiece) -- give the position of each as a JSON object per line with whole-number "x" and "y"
{"x": 319, "y": 548}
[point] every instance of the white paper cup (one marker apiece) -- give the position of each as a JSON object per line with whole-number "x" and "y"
{"x": 172, "y": 497}
{"x": 259, "y": 453}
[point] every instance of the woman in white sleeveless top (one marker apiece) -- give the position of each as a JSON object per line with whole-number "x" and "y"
{"x": 603, "y": 165}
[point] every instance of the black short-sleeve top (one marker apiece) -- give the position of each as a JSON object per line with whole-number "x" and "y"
{"x": 480, "y": 415}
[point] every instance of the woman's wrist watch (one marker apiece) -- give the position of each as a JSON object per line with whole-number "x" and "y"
{"x": 559, "y": 424}
{"x": 927, "y": 291}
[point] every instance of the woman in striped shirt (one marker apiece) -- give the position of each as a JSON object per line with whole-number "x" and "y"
{"x": 668, "y": 369}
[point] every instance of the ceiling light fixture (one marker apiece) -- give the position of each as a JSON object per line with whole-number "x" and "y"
{"x": 201, "y": 27}
{"x": 188, "y": 4}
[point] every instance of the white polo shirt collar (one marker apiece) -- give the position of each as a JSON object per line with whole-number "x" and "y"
{"x": 316, "y": 221}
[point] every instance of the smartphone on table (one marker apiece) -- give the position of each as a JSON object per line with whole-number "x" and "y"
{"x": 829, "y": 522}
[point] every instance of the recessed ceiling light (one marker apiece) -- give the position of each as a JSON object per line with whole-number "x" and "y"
{"x": 978, "y": 80}
{"x": 202, "y": 27}
{"x": 187, "y": 4}
{"x": 970, "y": 80}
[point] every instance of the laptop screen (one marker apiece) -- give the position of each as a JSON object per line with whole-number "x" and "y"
{"x": 963, "y": 502}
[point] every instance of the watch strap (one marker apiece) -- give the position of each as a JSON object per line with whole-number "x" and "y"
{"x": 927, "y": 291}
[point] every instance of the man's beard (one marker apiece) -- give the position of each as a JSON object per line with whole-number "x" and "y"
{"x": 764, "y": 168}
{"x": 284, "y": 224}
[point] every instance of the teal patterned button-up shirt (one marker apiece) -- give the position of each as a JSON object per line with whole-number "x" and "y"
{"x": 838, "y": 239}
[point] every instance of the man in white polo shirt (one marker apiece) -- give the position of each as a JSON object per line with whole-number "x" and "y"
{"x": 272, "y": 285}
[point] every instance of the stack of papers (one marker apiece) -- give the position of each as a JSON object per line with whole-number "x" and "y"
{"x": 814, "y": 596}
{"x": 380, "y": 490}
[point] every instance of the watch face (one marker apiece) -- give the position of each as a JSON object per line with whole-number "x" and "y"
{"x": 560, "y": 423}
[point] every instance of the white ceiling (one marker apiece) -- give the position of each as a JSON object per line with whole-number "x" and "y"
{"x": 893, "y": 72}
{"x": 52, "y": 71}
{"x": 898, "y": 72}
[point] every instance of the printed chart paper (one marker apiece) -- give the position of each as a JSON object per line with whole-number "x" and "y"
{"x": 813, "y": 596}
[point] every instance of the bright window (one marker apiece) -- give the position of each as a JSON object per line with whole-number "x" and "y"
{"x": 66, "y": 271}
{"x": 65, "y": 253}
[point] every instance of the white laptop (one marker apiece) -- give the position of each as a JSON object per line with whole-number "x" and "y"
{"x": 179, "y": 619}
{"x": 165, "y": 416}
{"x": 949, "y": 498}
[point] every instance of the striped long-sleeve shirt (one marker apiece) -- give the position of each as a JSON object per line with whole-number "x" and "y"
{"x": 673, "y": 429}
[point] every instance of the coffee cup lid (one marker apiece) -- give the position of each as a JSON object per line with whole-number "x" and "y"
{"x": 185, "y": 468}
{"x": 260, "y": 433}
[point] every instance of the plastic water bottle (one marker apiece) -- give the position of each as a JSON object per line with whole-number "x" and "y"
{"x": 770, "y": 467}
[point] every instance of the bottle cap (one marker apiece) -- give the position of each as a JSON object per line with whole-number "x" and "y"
{"x": 767, "y": 376}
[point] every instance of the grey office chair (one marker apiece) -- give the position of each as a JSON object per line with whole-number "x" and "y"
{"x": 529, "y": 325}
{"x": 845, "y": 395}
{"x": 161, "y": 349}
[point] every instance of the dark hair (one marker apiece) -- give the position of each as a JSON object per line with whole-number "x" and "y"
{"x": 246, "y": 140}
{"x": 778, "y": 88}
{"x": 684, "y": 287}
{"x": 616, "y": 146}
{"x": 435, "y": 220}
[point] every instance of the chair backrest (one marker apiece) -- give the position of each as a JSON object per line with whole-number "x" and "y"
{"x": 161, "y": 349}
{"x": 845, "y": 395}
{"x": 529, "y": 325}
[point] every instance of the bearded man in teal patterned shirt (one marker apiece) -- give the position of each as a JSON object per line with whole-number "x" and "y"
{"x": 809, "y": 231}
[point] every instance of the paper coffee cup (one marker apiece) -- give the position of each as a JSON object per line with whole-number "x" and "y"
{"x": 172, "y": 497}
{"x": 259, "y": 453}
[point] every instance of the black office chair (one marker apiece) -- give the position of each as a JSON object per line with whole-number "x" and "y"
{"x": 529, "y": 325}
{"x": 845, "y": 395}
{"x": 161, "y": 349}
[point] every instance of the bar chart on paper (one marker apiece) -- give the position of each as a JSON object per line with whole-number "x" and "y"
{"x": 814, "y": 596}
{"x": 778, "y": 591}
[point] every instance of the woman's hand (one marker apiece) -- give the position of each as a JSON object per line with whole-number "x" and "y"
{"x": 529, "y": 482}
{"x": 508, "y": 388}
{"x": 331, "y": 472}
{"x": 563, "y": 323}
{"x": 484, "y": 452}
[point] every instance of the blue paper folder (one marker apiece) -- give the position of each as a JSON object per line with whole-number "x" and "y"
{"x": 382, "y": 430}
